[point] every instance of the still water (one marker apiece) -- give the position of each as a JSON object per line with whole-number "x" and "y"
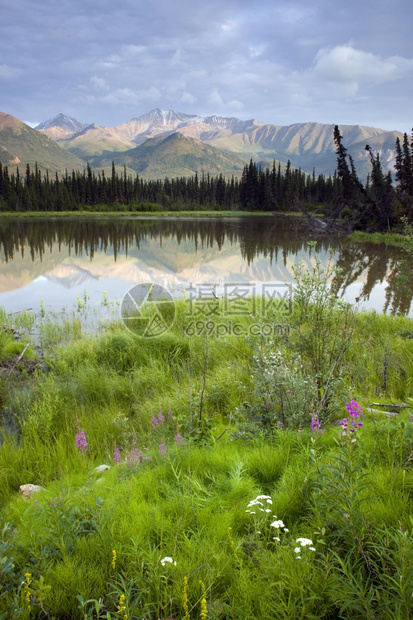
{"x": 51, "y": 265}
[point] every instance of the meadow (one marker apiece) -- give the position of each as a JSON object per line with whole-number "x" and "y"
{"x": 262, "y": 472}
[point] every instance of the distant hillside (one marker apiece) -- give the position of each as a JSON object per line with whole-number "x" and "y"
{"x": 94, "y": 141}
{"x": 21, "y": 145}
{"x": 175, "y": 156}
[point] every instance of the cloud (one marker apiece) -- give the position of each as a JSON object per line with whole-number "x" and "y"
{"x": 344, "y": 63}
{"x": 99, "y": 84}
{"x": 188, "y": 98}
{"x": 8, "y": 73}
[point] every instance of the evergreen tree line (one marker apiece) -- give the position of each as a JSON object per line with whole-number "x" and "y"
{"x": 377, "y": 205}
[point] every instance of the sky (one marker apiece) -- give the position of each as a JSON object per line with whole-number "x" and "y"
{"x": 280, "y": 62}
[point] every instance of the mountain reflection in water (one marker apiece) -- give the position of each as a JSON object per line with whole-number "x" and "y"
{"x": 57, "y": 260}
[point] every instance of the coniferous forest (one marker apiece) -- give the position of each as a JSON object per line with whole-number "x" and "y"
{"x": 377, "y": 205}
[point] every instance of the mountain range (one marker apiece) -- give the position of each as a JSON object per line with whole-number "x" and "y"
{"x": 164, "y": 143}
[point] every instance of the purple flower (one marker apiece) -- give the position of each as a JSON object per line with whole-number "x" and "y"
{"x": 154, "y": 422}
{"x": 267, "y": 403}
{"x": 162, "y": 448}
{"x": 355, "y": 412}
{"x": 179, "y": 440}
{"x": 316, "y": 426}
{"x": 117, "y": 456}
{"x": 161, "y": 418}
{"x": 81, "y": 442}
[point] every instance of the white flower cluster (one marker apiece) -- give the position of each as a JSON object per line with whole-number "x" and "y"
{"x": 167, "y": 560}
{"x": 259, "y": 505}
{"x": 303, "y": 542}
{"x": 279, "y": 525}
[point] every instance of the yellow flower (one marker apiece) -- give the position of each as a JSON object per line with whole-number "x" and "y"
{"x": 122, "y": 607}
{"x": 204, "y": 609}
{"x": 26, "y": 590}
{"x": 185, "y": 600}
{"x": 113, "y": 559}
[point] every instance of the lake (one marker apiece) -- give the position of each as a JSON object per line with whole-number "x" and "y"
{"x": 58, "y": 264}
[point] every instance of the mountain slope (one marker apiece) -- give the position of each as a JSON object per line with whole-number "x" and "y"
{"x": 174, "y": 156}
{"x": 94, "y": 140}
{"x": 25, "y": 145}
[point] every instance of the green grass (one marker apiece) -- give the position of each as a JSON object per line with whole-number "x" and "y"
{"x": 390, "y": 238}
{"x": 186, "y": 494}
{"x": 124, "y": 213}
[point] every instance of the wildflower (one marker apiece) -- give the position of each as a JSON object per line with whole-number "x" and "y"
{"x": 154, "y": 422}
{"x": 204, "y": 610}
{"x": 167, "y": 560}
{"x": 185, "y": 599}
{"x": 113, "y": 559}
{"x": 316, "y": 426}
{"x": 277, "y": 524}
{"x": 117, "y": 456}
{"x": 81, "y": 442}
{"x": 26, "y": 583}
{"x": 276, "y": 538}
{"x": 304, "y": 542}
{"x": 162, "y": 448}
{"x": 161, "y": 418}
{"x": 297, "y": 550}
{"x": 122, "y": 607}
{"x": 179, "y": 440}
{"x": 355, "y": 412}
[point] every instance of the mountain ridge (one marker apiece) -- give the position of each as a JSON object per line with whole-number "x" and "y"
{"x": 308, "y": 146}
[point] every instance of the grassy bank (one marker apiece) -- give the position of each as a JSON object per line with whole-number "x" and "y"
{"x": 395, "y": 239}
{"x": 233, "y": 490}
{"x": 106, "y": 213}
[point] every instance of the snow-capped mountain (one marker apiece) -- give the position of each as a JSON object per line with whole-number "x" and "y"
{"x": 61, "y": 126}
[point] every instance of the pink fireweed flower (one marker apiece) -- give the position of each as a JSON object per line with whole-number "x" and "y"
{"x": 316, "y": 426}
{"x": 162, "y": 448}
{"x": 81, "y": 442}
{"x": 117, "y": 456}
{"x": 355, "y": 412}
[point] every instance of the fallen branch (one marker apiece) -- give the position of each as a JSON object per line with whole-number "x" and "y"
{"x": 20, "y": 357}
{"x": 388, "y": 405}
{"x": 389, "y": 414}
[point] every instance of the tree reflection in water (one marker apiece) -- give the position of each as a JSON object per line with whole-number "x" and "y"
{"x": 278, "y": 239}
